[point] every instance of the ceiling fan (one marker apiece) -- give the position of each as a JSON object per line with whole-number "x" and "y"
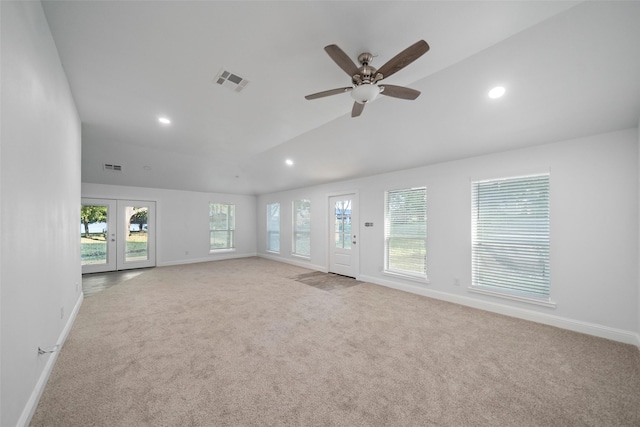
{"x": 364, "y": 79}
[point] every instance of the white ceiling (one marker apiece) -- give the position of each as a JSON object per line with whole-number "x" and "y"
{"x": 570, "y": 68}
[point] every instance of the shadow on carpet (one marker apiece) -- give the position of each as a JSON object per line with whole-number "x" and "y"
{"x": 326, "y": 281}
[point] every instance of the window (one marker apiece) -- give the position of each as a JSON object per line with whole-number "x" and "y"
{"x": 405, "y": 232}
{"x": 510, "y": 236}
{"x": 302, "y": 227}
{"x": 273, "y": 227}
{"x": 222, "y": 226}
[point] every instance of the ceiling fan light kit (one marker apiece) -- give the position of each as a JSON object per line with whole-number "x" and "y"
{"x": 364, "y": 79}
{"x": 365, "y": 92}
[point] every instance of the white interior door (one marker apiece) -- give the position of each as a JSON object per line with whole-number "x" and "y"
{"x": 117, "y": 235}
{"x": 343, "y": 237}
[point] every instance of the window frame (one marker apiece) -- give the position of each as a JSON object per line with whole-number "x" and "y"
{"x": 230, "y": 229}
{"x": 296, "y": 231}
{"x": 519, "y": 239}
{"x": 269, "y": 231}
{"x": 388, "y": 237}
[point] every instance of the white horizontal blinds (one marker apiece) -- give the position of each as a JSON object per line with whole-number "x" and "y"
{"x": 273, "y": 227}
{"x": 302, "y": 227}
{"x": 222, "y": 226}
{"x": 405, "y": 231}
{"x": 510, "y": 241}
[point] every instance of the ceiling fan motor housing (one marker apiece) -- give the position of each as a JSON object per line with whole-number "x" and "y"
{"x": 366, "y": 72}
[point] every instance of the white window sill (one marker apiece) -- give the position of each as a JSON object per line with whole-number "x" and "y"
{"x": 419, "y": 279}
{"x": 513, "y": 297}
{"x": 273, "y": 252}
{"x": 220, "y": 251}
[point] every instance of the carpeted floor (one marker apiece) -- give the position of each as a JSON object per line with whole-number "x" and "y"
{"x": 244, "y": 343}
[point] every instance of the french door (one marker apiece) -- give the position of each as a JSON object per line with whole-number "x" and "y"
{"x": 343, "y": 235}
{"x": 117, "y": 235}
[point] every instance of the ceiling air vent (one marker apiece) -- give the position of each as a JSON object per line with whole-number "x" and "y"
{"x": 112, "y": 168}
{"x": 231, "y": 81}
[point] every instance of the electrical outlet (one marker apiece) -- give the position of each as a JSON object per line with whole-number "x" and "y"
{"x": 61, "y": 312}
{"x": 456, "y": 281}
{"x": 77, "y": 285}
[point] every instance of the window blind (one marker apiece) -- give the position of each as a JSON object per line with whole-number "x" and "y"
{"x": 273, "y": 227}
{"x": 302, "y": 227}
{"x": 405, "y": 231}
{"x": 510, "y": 235}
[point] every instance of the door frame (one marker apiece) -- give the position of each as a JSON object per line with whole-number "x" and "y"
{"x": 116, "y": 235}
{"x": 355, "y": 231}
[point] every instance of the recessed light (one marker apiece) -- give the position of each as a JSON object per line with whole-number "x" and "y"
{"x": 164, "y": 120}
{"x": 496, "y": 92}
{"x": 289, "y": 162}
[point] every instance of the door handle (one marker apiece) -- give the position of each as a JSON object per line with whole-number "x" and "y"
{"x": 354, "y": 240}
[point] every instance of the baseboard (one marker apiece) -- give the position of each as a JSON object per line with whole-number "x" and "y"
{"x": 32, "y": 403}
{"x": 232, "y": 255}
{"x": 295, "y": 262}
{"x": 213, "y": 257}
{"x": 627, "y": 337}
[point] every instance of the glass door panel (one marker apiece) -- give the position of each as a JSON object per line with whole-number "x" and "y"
{"x": 93, "y": 239}
{"x": 97, "y": 235}
{"x": 342, "y": 220}
{"x": 137, "y": 242}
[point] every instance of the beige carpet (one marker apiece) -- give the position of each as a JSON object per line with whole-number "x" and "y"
{"x": 242, "y": 343}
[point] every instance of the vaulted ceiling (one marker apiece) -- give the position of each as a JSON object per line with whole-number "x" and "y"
{"x": 569, "y": 68}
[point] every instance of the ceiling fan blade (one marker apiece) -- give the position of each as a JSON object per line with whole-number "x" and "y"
{"x": 399, "y": 92}
{"x": 342, "y": 59}
{"x": 404, "y": 58}
{"x": 329, "y": 92}
{"x": 357, "y": 109}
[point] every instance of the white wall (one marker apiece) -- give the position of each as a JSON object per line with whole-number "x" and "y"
{"x": 594, "y": 229}
{"x": 40, "y": 279}
{"x": 182, "y": 221}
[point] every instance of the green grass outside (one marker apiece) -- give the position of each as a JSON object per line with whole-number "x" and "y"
{"x": 94, "y": 249}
